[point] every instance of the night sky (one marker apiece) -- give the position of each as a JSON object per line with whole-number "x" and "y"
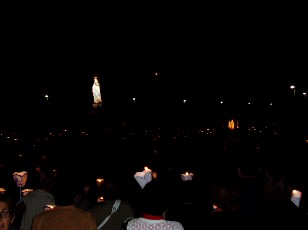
{"x": 245, "y": 57}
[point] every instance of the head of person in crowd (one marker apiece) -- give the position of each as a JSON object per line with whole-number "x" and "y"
{"x": 41, "y": 178}
{"x": 65, "y": 215}
{"x": 276, "y": 206}
{"x": 7, "y": 213}
{"x": 225, "y": 194}
{"x": 274, "y": 181}
{"x": 86, "y": 193}
{"x": 155, "y": 198}
{"x": 65, "y": 190}
{"x": 110, "y": 189}
{"x": 46, "y": 180}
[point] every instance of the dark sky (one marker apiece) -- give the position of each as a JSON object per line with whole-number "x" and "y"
{"x": 253, "y": 54}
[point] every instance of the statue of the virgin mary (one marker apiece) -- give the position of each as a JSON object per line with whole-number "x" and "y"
{"x": 96, "y": 91}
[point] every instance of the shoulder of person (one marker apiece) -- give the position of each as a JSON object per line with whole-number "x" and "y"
{"x": 125, "y": 222}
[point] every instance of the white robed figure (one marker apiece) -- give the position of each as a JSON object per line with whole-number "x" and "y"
{"x": 96, "y": 91}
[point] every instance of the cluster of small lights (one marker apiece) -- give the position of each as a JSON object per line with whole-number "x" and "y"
{"x": 184, "y": 101}
{"x": 157, "y": 75}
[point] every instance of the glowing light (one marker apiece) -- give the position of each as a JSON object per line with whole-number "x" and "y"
{"x": 99, "y": 182}
{"x": 147, "y": 169}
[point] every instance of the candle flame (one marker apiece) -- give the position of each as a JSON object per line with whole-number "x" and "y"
{"x": 100, "y": 199}
{"x": 49, "y": 207}
{"x": 296, "y": 193}
{"x": 147, "y": 169}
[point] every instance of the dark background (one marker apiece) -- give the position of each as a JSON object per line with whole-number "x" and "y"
{"x": 202, "y": 55}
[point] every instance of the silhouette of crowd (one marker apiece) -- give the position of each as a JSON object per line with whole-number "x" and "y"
{"x": 240, "y": 180}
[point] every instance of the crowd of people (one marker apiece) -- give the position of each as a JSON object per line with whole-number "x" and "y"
{"x": 241, "y": 180}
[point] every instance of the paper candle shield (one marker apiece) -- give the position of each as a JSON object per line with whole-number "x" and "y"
{"x": 296, "y": 197}
{"x": 143, "y": 178}
{"x": 185, "y": 177}
{"x": 20, "y": 178}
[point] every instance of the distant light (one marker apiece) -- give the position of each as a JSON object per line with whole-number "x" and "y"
{"x": 248, "y": 103}
{"x": 184, "y": 101}
{"x": 46, "y": 96}
{"x": 271, "y": 103}
{"x": 134, "y": 99}
{"x": 221, "y": 102}
{"x": 292, "y": 87}
{"x": 304, "y": 93}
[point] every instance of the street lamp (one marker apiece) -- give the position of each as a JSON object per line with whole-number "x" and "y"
{"x": 293, "y": 87}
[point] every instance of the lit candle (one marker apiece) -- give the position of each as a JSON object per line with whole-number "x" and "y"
{"x": 148, "y": 173}
{"x": 216, "y": 208}
{"x": 296, "y": 193}
{"x": 26, "y": 191}
{"x": 99, "y": 182}
{"x": 146, "y": 169}
{"x": 143, "y": 177}
{"x": 187, "y": 176}
{"x": 296, "y": 197}
{"x": 49, "y": 207}
{"x": 100, "y": 199}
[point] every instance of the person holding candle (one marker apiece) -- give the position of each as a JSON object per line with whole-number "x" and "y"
{"x": 86, "y": 194}
{"x": 35, "y": 201}
{"x": 276, "y": 207}
{"x": 65, "y": 215}
{"x": 111, "y": 192}
{"x": 224, "y": 196}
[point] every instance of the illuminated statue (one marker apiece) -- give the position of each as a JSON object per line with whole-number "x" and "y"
{"x": 96, "y": 91}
